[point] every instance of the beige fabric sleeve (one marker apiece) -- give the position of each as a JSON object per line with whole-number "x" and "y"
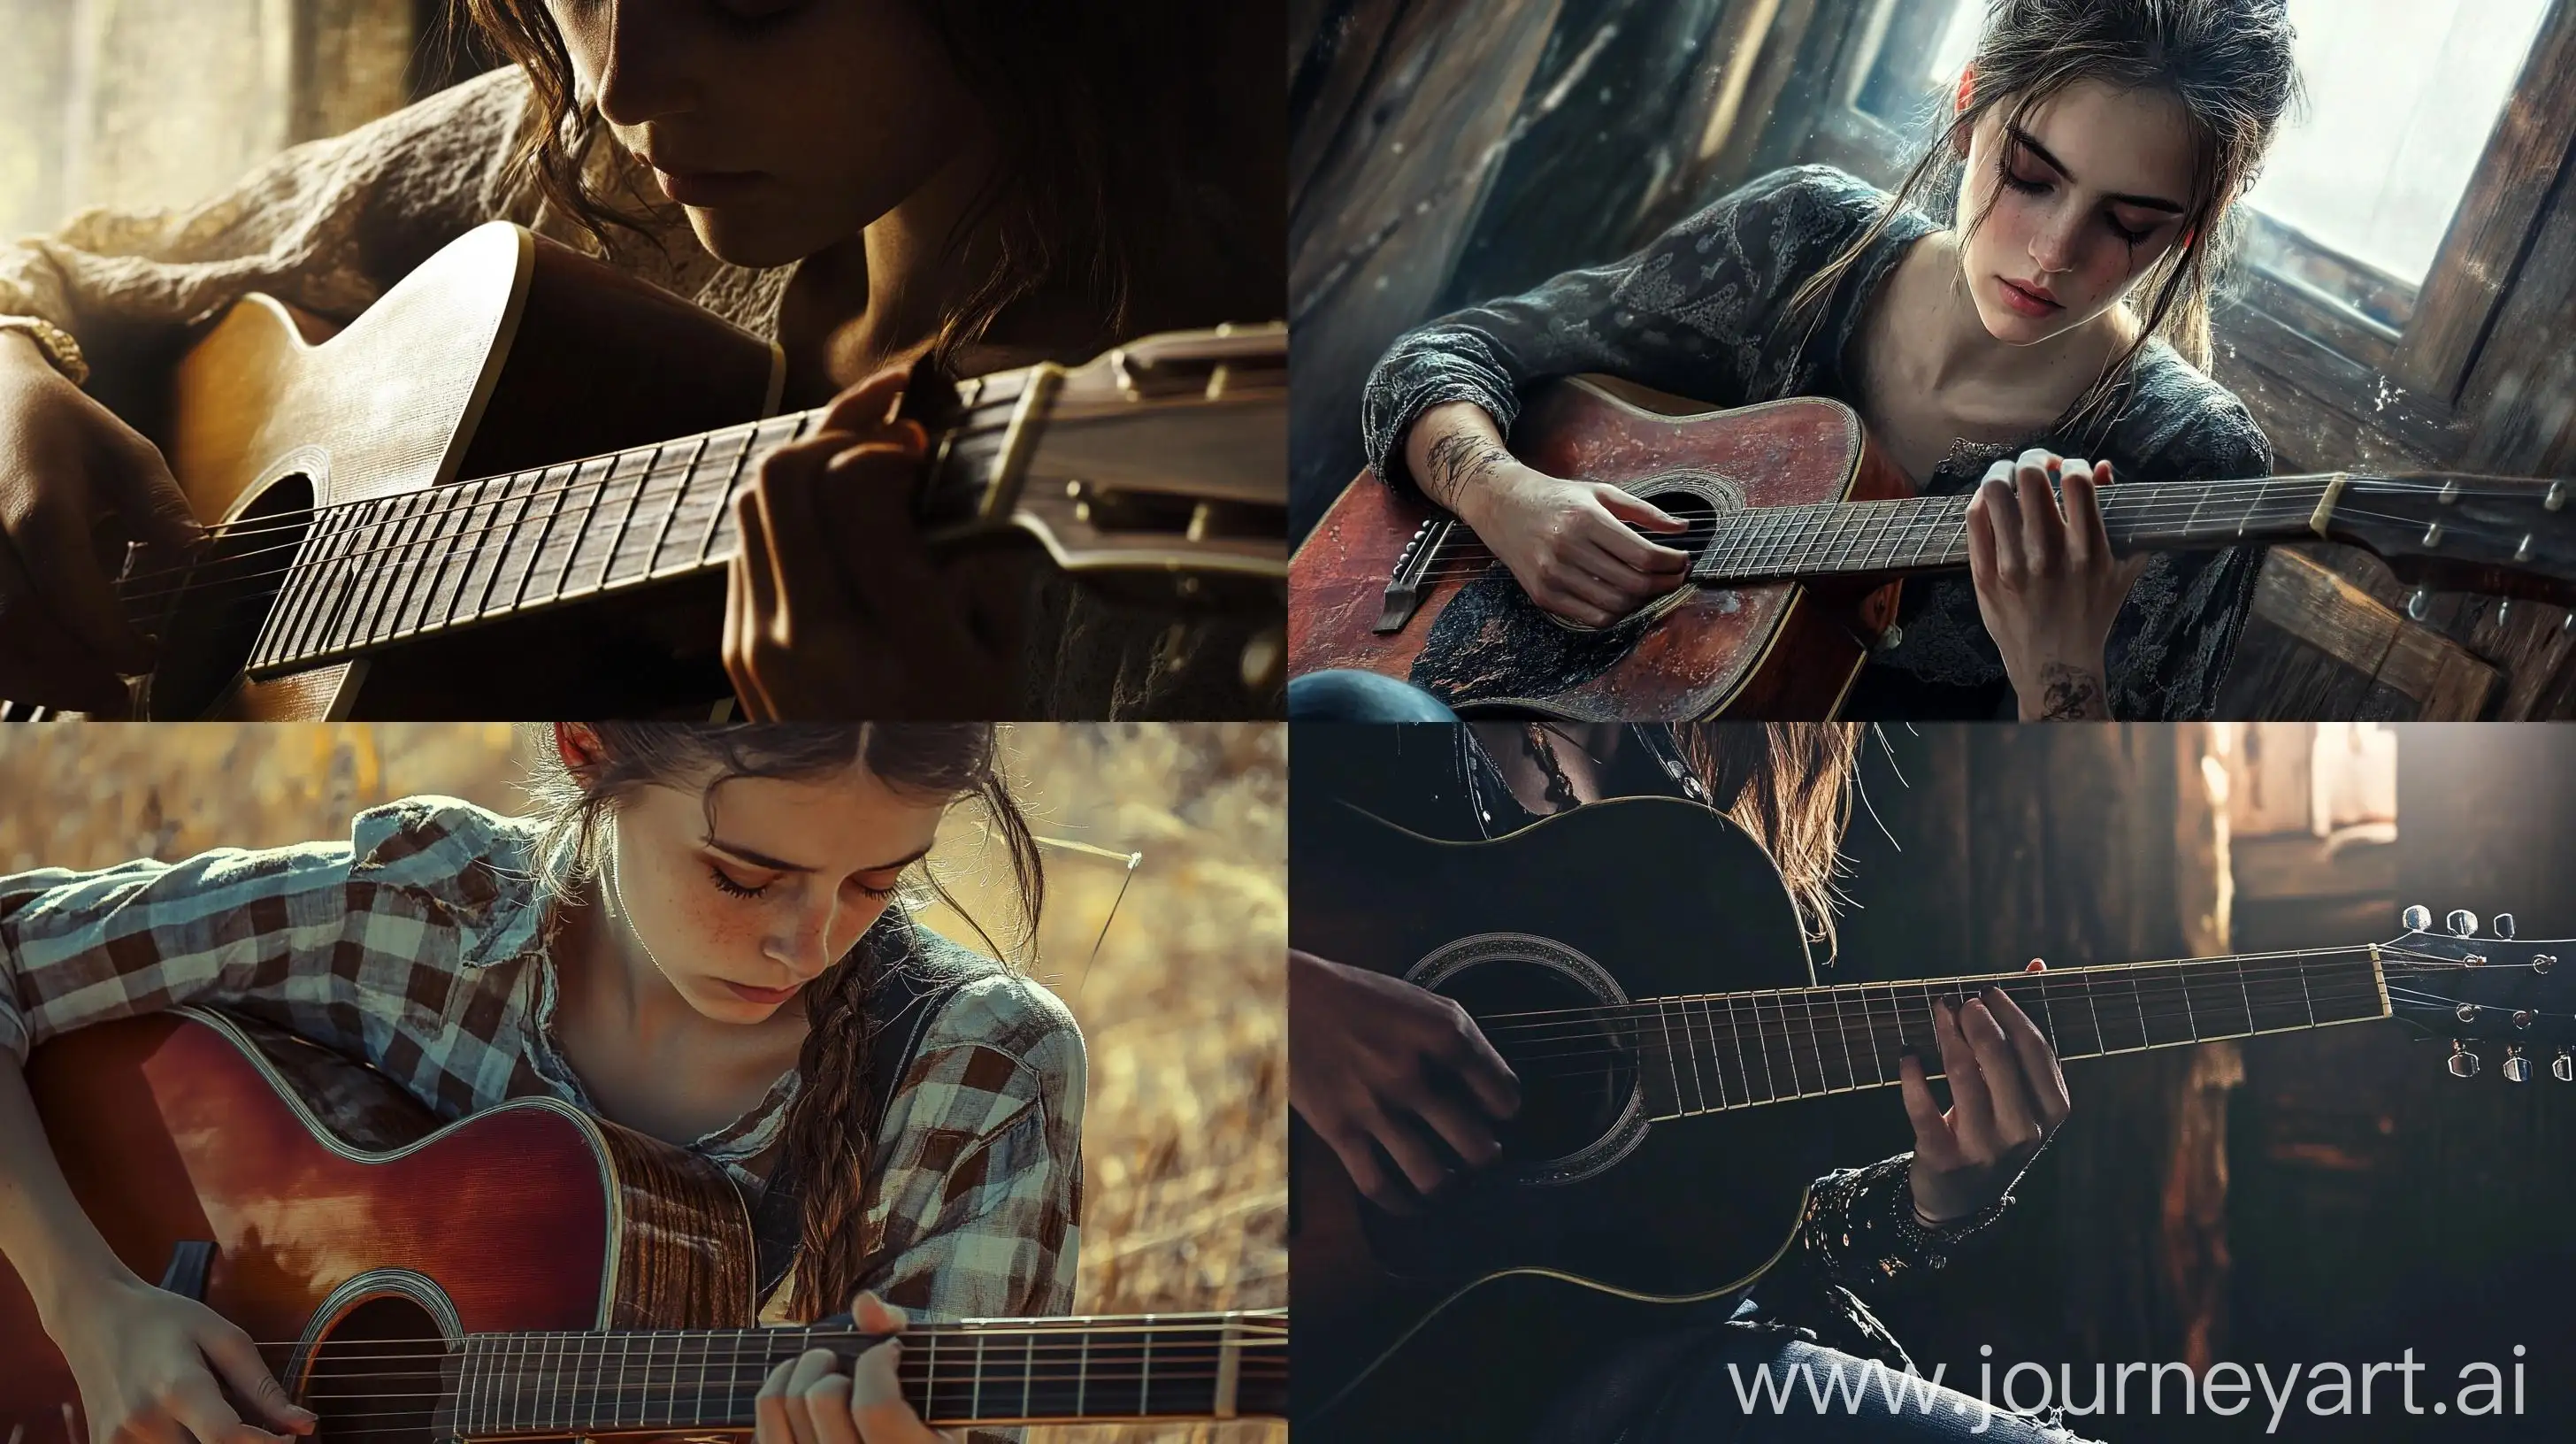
{"x": 328, "y": 226}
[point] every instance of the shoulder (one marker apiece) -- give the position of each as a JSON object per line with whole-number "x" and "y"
{"x": 1810, "y": 203}
{"x": 999, "y": 1042}
{"x": 475, "y": 864}
{"x": 2186, "y": 425}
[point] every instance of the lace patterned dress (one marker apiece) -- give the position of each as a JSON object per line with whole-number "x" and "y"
{"x": 1700, "y": 312}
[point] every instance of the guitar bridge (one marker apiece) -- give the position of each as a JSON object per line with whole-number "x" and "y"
{"x": 1412, "y": 568}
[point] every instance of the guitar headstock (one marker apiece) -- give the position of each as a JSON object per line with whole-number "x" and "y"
{"x": 2498, "y": 535}
{"x": 2471, "y": 987}
{"x": 1162, "y": 463}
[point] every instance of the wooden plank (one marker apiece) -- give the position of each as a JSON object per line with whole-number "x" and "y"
{"x": 2492, "y": 229}
{"x": 2338, "y": 618}
{"x": 1377, "y": 229}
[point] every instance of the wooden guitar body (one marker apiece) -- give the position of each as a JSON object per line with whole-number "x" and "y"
{"x": 1770, "y": 650}
{"x": 1424, "y": 1327}
{"x": 503, "y": 351}
{"x": 340, "y": 1212}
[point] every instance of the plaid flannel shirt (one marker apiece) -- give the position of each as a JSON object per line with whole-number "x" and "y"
{"x": 418, "y": 946}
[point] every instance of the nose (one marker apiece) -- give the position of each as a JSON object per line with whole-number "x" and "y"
{"x": 643, "y": 64}
{"x": 2052, "y": 245}
{"x": 805, "y": 945}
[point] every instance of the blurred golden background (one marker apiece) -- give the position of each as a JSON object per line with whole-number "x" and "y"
{"x": 1184, "y": 1009}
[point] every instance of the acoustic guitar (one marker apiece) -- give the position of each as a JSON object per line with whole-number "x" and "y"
{"x": 1799, "y": 533}
{"x": 1639, "y": 965}
{"x": 527, "y": 1272}
{"x": 516, "y": 468}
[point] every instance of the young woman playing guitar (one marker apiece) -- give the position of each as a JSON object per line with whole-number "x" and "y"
{"x": 869, "y": 183}
{"x": 693, "y": 939}
{"x": 1409, "y": 1094}
{"x": 2096, "y": 151}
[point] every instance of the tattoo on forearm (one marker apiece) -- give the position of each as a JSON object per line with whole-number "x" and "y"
{"x": 1456, "y": 462}
{"x": 2071, "y": 694}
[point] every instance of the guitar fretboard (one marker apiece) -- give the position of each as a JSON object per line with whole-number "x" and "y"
{"x": 983, "y": 1371}
{"x": 1702, "y": 1053}
{"x": 374, "y": 572}
{"x": 1930, "y": 533}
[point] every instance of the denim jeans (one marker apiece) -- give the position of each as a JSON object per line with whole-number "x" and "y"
{"x": 1348, "y": 695}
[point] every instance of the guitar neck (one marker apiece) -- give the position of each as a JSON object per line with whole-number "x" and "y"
{"x": 979, "y": 1372}
{"x": 1930, "y": 533}
{"x": 1702, "y": 1053}
{"x": 375, "y": 572}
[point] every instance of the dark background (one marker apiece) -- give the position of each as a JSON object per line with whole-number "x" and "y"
{"x": 2342, "y": 1197}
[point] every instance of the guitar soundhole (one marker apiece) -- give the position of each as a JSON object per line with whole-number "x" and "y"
{"x": 1576, "y": 1075}
{"x": 378, "y": 1376}
{"x": 1693, "y": 508}
{"x": 209, "y": 619}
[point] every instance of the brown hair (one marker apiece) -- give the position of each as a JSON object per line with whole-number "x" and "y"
{"x": 1789, "y": 785}
{"x": 827, "y": 1131}
{"x": 1109, "y": 113}
{"x": 2228, "y": 62}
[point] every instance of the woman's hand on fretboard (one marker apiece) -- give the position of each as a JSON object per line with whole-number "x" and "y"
{"x": 2048, "y": 583}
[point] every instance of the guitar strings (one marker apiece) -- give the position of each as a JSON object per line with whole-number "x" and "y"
{"x": 1918, "y": 518}
{"x": 439, "y": 549}
{"x": 2273, "y": 962}
{"x": 1781, "y": 1023}
{"x": 1647, "y": 1015}
{"x": 1817, "y": 1043}
{"x": 739, "y": 1392}
{"x": 2156, "y": 506}
{"x": 1757, "y": 1066}
{"x": 304, "y": 517}
{"x": 1470, "y": 554}
{"x": 2277, "y": 956}
{"x": 1252, "y": 1323}
{"x": 1266, "y": 1329}
{"x": 1716, "y": 1028}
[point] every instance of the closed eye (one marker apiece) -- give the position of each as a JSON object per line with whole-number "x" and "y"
{"x": 726, "y": 883}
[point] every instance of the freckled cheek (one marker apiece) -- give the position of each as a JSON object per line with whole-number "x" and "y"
{"x": 701, "y": 936}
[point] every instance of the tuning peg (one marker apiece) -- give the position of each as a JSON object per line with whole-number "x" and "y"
{"x": 2416, "y": 919}
{"x": 2419, "y": 604}
{"x": 2522, "y": 1019}
{"x": 2462, "y": 1062}
{"x": 2462, "y": 923}
{"x": 2501, "y": 925}
{"x": 2543, "y": 962}
{"x": 2517, "y": 1068}
{"x": 2563, "y": 1067}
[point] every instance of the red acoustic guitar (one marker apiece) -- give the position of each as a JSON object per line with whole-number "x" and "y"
{"x": 528, "y": 1272}
{"x": 1799, "y": 531}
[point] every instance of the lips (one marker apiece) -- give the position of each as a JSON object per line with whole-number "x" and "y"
{"x": 700, "y": 187}
{"x": 2029, "y": 298}
{"x": 759, "y": 995}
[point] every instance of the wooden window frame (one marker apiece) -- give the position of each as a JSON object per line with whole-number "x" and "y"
{"x": 2331, "y": 385}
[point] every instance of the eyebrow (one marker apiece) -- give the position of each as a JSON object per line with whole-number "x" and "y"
{"x": 2025, "y": 140}
{"x": 779, "y": 864}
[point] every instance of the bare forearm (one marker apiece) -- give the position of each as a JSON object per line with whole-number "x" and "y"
{"x": 55, "y": 1249}
{"x": 1453, "y": 450}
